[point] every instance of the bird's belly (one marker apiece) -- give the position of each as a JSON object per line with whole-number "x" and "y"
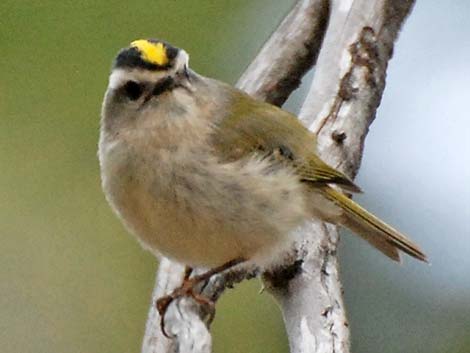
{"x": 205, "y": 215}
{"x": 194, "y": 236}
{"x": 190, "y": 236}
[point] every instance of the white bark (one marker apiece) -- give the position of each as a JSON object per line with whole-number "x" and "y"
{"x": 185, "y": 322}
{"x": 346, "y": 90}
{"x": 344, "y": 95}
{"x": 288, "y": 54}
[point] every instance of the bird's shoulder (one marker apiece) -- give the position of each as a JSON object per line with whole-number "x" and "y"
{"x": 250, "y": 127}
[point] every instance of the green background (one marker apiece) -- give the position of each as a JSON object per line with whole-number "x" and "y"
{"x": 72, "y": 280}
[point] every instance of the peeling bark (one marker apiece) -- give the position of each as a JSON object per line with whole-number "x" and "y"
{"x": 340, "y": 106}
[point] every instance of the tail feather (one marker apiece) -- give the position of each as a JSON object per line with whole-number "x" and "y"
{"x": 379, "y": 234}
{"x": 369, "y": 234}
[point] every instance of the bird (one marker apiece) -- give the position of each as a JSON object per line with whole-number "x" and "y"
{"x": 204, "y": 174}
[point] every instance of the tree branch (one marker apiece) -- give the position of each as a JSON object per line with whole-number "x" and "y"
{"x": 289, "y": 53}
{"x": 277, "y": 70}
{"x": 345, "y": 93}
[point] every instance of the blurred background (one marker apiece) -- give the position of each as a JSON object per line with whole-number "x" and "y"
{"x": 72, "y": 280}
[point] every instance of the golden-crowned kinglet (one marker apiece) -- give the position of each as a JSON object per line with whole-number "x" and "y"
{"x": 204, "y": 174}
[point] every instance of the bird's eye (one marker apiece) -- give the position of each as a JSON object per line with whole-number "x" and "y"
{"x": 133, "y": 90}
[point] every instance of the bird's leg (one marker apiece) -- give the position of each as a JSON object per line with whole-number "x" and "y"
{"x": 187, "y": 272}
{"x": 188, "y": 287}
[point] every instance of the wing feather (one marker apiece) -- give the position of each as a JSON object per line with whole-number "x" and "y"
{"x": 254, "y": 127}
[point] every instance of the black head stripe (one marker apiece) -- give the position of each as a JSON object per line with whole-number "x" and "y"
{"x": 164, "y": 85}
{"x": 132, "y": 58}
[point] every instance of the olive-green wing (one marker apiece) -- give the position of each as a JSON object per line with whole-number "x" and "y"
{"x": 257, "y": 127}
{"x": 317, "y": 171}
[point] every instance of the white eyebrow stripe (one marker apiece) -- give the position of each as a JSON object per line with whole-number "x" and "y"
{"x": 120, "y": 76}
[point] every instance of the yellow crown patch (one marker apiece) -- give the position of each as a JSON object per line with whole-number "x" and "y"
{"x": 153, "y": 53}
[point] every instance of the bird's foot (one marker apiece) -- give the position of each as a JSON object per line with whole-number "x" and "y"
{"x": 188, "y": 289}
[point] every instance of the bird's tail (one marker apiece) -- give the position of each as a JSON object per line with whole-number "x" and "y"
{"x": 372, "y": 229}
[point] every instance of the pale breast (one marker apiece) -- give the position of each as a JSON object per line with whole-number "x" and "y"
{"x": 187, "y": 206}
